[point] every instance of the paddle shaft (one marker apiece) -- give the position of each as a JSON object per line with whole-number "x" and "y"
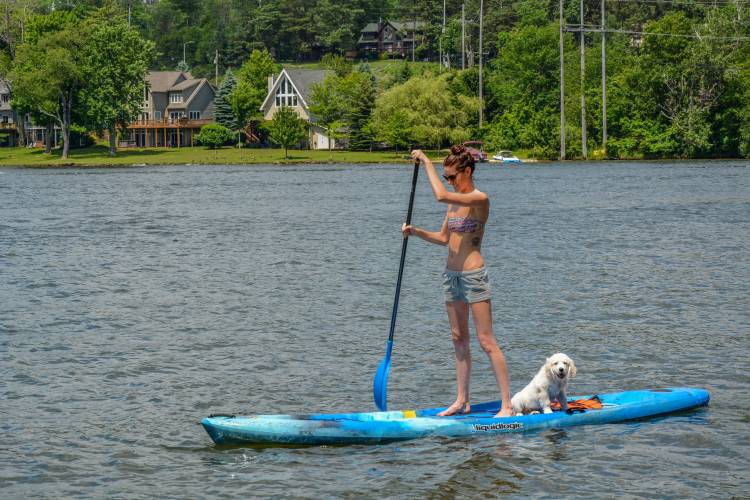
{"x": 403, "y": 252}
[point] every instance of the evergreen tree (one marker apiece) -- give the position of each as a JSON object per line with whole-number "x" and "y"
{"x": 404, "y": 73}
{"x": 223, "y": 112}
{"x": 358, "y": 90}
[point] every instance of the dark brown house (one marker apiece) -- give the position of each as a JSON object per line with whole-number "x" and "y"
{"x": 394, "y": 38}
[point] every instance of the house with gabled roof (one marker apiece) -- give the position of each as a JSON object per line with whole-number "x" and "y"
{"x": 175, "y": 107}
{"x": 391, "y": 37}
{"x": 292, "y": 88}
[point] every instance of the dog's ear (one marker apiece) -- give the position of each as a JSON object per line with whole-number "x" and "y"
{"x": 572, "y": 370}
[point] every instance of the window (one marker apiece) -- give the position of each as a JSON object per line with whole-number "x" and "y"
{"x": 6, "y": 97}
{"x": 175, "y": 115}
{"x": 5, "y": 118}
{"x": 194, "y": 115}
{"x": 285, "y": 95}
{"x": 175, "y": 97}
{"x": 157, "y": 115}
{"x": 146, "y": 95}
{"x": 144, "y": 117}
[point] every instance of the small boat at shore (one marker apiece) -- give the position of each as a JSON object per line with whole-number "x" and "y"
{"x": 505, "y": 157}
{"x": 388, "y": 426}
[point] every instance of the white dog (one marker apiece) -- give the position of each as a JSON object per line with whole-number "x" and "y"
{"x": 548, "y": 385}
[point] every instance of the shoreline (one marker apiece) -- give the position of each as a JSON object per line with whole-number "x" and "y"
{"x": 98, "y": 157}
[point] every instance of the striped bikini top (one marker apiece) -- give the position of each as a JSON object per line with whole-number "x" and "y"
{"x": 463, "y": 224}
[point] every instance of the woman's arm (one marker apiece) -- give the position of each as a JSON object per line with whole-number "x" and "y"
{"x": 443, "y": 195}
{"x": 437, "y": 237}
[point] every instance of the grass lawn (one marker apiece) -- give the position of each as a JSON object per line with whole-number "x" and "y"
{"x": 99, "y": 156}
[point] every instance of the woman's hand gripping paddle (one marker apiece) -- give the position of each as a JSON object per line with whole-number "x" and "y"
{"x": 379, "y": 385}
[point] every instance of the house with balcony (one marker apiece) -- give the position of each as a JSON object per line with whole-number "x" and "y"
{"x": 8, "y": 131}
{"x": 292, "y": 88}
{"x": 395, "y": 38}
{"x": 175, "y": 107}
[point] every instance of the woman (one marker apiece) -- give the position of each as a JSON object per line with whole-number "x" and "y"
{"x": 465, "y": 281}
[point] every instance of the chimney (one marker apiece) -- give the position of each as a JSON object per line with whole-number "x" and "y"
{"x": 270, "y": 82}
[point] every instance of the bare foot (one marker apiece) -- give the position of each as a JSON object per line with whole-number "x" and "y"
{"x": 504, "y": 412}
{"x": 455, "y": 409}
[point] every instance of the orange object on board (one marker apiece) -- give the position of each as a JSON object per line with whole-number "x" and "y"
{"x": 580, "y": 405}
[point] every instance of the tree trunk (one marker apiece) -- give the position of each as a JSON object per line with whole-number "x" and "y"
{"x": 67, "y": 104}
{"x": 49, "y": 130}
{"x": 20, "y": 128}
{"x": 112, "y": 140}
{"x": 286, "y": 153}
{"x": 66, "y": 140}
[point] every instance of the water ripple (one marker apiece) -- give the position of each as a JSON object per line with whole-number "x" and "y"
{"x": 134, "y": 301}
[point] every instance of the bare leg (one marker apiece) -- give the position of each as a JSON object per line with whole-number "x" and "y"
{"x": 458, "y": 315}
{"x": 482, "y": 312}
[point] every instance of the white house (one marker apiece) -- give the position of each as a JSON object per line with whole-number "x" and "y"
{"x": 292, "y": 88}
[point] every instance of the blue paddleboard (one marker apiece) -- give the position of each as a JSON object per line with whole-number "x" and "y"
{"x": 387, "y": 426}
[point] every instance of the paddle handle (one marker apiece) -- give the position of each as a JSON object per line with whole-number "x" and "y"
{"x": 403, "y": 252}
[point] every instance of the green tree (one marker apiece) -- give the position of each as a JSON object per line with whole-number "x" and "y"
{"x": 523, "y": 91}
{"x": 116, "y": 62}
{"x": 336, "y": 63}
{"x": 214, "y": 135}
{"x": 357, "y": 92}
{"x": 403, "y": 74}
{"x": 325, "y": 104}
{"x": 286, "y": 129}
{"x": 16, "y": 27}
{"x": 223, "y": 112}
{"x": 423, "y": 111}
{"x": 51, "y": 71}
{"x": 252, "y": 86}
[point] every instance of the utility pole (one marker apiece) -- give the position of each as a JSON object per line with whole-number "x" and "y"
{"x": 604, "y": 87}
{"x": 443, "y": 31}
{"x": 414, "y": 33}
{"x": 562, "y": 86}
{"x": 481, "y": 97}
{"x": 583, "y": 88}
{"x": 216, "y": 66}
{"x": 440, "y": 40}
{"x": 183, "y": 51}
{"x": 463, "y": 36}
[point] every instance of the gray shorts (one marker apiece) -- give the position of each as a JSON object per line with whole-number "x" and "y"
{"x": 468, "y": 286}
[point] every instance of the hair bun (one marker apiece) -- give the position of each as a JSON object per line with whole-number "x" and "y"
{"x": 458, "y": 149}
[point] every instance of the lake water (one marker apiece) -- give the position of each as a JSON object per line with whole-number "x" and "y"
{"x": 136, "y": 301}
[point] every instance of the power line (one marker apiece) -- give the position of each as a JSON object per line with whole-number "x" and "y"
{"x": 689, "y": 2}
{"x": 650, "y": 33}
{"x": 712, "y": 37}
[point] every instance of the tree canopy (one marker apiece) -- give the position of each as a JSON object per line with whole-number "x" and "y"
{"x": 678, "y": 73}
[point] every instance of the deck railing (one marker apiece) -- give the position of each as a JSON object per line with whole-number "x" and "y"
{"x": 172, "y": 122}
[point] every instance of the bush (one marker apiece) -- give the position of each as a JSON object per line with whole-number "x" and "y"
{"x": 79, "y": 138}
{"x": 214, "y": 135}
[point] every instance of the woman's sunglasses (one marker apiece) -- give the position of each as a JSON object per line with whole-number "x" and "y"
{"x": 450, "y": 178}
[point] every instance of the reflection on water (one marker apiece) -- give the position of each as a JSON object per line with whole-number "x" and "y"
{"x": 136, "y": 301}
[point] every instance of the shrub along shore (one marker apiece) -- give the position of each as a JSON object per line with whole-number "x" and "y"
{"x": 98, "y": 156}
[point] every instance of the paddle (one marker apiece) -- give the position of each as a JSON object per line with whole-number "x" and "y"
{"x": 379, "y": 385}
